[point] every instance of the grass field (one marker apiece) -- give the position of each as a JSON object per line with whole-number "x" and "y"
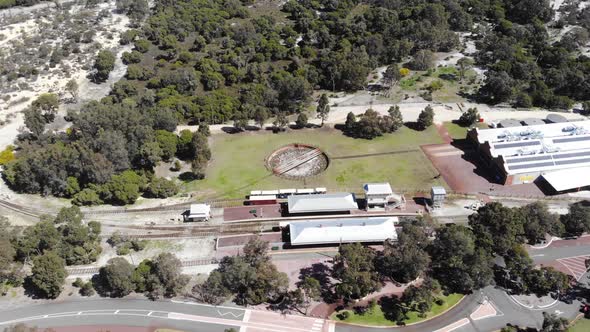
{"x": 377, "y": 317}
{"x": 459, "y": 132}
{"x": 582, "y": 325}
{"x": 238, "y": 162}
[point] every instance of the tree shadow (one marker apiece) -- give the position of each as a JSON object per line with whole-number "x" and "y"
{"x": 413, "y": 125}
{"x": 393, "y": 309}
{"x": 31, "y": 290}
{"x": 99, "y": 286}
{"x": 322, "y": 273}
{"x": 190, "y": 176}
{"x": 231, "y": 130}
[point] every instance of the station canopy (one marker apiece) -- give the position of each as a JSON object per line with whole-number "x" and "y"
{"x": 336, "y": 202}
{"x": 343, "y": 230}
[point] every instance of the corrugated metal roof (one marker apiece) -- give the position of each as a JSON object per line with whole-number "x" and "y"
{"x": 322, "y": 203}
{"x": 438, "y": 190}
{"x": 378, "y": 188}
{"x": 200, "y": 209}
{"x": 343, "y": 230}
{"x": 571, "y": 178}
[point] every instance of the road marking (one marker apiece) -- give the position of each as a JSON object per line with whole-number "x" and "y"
{"x": 150, "y": 313}
{"x": 223, "y": 321}
{"x": 243, "y": 329}
{"x": 247, "y": 316}
{"x": 229, "y": 313}
{"x": 454, "y": 326}
{"x": 116, "y": 312}
{"x": 206, "y": 305}
{"x": 539, "y": 255}
{"x": 576, "y": 265}
{"x": 557, "y": 312}
{"x": 331, "y": 327}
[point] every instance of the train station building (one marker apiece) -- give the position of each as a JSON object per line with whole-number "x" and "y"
{"x": 321, "y": 203}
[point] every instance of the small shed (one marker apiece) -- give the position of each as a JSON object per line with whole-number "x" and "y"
{"x": 379, "y": 194}
{"x": 199, "y": 212}
{"x": 438, "y": 195}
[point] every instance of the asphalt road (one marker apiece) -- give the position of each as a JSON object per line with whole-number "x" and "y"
{"x": 123, "y": 312}
{"x": 204, "y": 318}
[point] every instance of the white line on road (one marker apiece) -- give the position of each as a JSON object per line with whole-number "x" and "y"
{"x": 205, "y": 305}
{"x": 116, "y": 312}
{"x": 247, "y": 316}
{"x": 331, "y": 327}
{"x": 454, "y": 325}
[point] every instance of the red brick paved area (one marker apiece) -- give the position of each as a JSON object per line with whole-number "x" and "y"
{"x": 464, "y": 176}
{"x": 243, "y": 212}
{"x": 288, "y": 322}
{"x": 444, "y": 133}
{"x": 575, "y": 265}
{"x": 98, "y": 328}
{"x": 241, "y": 240}
{"x": 584, "y": 239}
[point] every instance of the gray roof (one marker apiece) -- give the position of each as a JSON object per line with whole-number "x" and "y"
{"x": 322, "y": 203}
{"x": 556, "y": 118}
{"x": 509, "y": 123}
{"x": 532, "y": 122}
{"x": 438, "y": 191}
{"x": 342, "y": 230}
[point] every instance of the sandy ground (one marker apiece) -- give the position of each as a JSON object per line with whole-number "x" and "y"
{"x": 444, "y": 112}
{"x": 55, "y": 82}
{"x": 12, "y": 109}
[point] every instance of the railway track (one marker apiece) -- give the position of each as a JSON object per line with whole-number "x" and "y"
{"x": 20, "y": 209}
{"x": 187, "y": 227}
{"x": 219, "y": 203}
{"x": 95, "y": 270}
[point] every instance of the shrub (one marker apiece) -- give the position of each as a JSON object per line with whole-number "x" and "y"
{"x": 87, "y": 289}
{"x": 7, "y": 155}
{"x": 343, "y": 315}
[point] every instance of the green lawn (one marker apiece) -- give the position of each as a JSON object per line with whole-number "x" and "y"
{"x": 238, "y": 162}
{"x": 459, "y": 132}
{"x": 582, "y": 325}
{"x": 377, "y": 317}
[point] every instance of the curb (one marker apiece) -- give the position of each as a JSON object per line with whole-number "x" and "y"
{"x": 399, "y": 326}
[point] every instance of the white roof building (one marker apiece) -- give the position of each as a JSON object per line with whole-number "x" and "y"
{"x": 566, "y": 179}
{"x": 337, "y": 202}
{"x": 200, "y": 212}
{"x": 524, "y": 153}
{"x": 380, "y": 189}
{"x": 379, "y": 193}
{"x": 342, "y": 230}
